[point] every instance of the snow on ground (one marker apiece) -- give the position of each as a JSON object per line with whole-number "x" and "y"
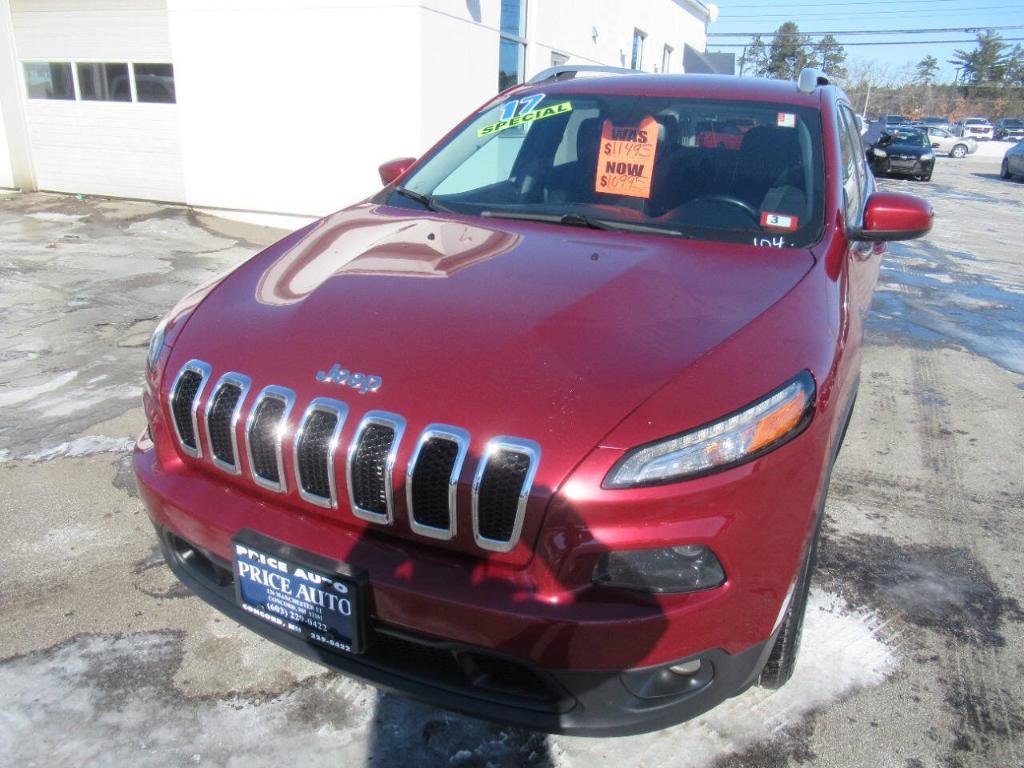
{"x": 83, "y": 446}
{"x": 116, "y": 705}
{"x": 842, "y": 650}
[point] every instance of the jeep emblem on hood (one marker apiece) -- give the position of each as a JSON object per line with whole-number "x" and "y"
{"x": 361, "y": 381}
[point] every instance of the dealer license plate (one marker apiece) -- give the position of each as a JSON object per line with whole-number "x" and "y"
{"x": 299, "y": 592}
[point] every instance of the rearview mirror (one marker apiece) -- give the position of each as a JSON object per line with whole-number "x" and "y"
{"x": 895, "y": 216}
{"x": 392, "y": 169}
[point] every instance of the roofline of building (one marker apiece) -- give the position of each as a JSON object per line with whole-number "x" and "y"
{"x": 699, "y": 6}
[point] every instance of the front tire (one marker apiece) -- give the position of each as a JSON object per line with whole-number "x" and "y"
{"x": 782, "y": 659}
{"x": 926, "y": 177}
{"x": 1004, "y": 170}
{"x": 959, "y": 151}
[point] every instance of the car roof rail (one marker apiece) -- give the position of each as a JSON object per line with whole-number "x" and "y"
{"x": 570, "y": 71}
{"x": 810, "y": 78}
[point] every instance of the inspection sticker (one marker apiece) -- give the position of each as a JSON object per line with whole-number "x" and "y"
{"x": 779, "y": 221}
{"x": 524, "y": 116}
{"x": 786, "y": 120}
{"x": 625, "y": 162}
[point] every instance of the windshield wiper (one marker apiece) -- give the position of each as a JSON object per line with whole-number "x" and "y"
{"x": 579, "y": 220}
{"x": 425, "y": 200}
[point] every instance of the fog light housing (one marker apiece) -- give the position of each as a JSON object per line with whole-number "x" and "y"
{"x": 685, "y": 568}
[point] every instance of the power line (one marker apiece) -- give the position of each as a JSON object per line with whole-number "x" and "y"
{"x": 866, "y": 32}
{"x": 834, "y": 14}
{"x": 881, "y": 42}
{"x": 852, "y": 2}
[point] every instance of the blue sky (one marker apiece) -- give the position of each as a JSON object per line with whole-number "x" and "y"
{"x": 842, "y": 15}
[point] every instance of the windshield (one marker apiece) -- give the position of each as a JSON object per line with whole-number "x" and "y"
{"x": 1013, "y": 123}
{"x": 976, "y": 121}
{"x": 909, "y": 138}
{"x": 714, "y": 170}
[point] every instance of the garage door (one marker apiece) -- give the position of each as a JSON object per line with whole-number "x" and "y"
{"x": 100, "y": 99}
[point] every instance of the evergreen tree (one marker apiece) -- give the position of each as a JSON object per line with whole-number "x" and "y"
{"x": 987, "y": 63}
{"x": 926, "y": 70}
{"x": 789, "y": 52}
{"x": 755, "y": 61}
{"x": 830, "y": 56}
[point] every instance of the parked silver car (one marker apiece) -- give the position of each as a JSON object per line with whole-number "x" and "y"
{"x": 1013, "y": 162}
{"x": 955, "y": 146}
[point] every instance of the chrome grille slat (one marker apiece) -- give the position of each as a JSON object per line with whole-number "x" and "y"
{"x": 223, "y": 410}
{"x": 264, "y": 437}
{"x": 315, "y": 446}
{"x": 501, "y": 488}
{"x": 432, "y": 480}
{"x": 185, "y": 395}
{"x": 370, "y": 466}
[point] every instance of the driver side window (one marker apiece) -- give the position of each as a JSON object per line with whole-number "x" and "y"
{"x": 852, "y": 172}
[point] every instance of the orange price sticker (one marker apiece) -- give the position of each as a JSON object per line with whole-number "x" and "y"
{"x": 625, "y": 160}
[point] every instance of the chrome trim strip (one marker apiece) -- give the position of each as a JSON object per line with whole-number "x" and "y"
{"x": 321, "y": 405}
{"x": 397, "y": 423}
{"x": 287, "y": 397}
{"x": 461, "y": 438}
{"x": 205, "y": 371}
{"x": 518, "y": 445}
{"x": 243, "y": 383}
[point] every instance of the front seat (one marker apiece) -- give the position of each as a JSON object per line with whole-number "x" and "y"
{"x": 769, "y": 171}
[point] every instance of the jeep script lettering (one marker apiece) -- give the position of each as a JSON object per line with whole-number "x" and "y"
{"x": 362, "y": 381}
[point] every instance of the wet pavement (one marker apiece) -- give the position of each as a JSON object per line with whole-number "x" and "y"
{"x": 911, "y": 655}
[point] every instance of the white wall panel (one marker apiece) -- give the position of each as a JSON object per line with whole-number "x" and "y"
{"x": 91, "y": 30}
{"x": 117, "y": 149}
{"x": 6, "y": 172}
{"x": 291, "y": 109}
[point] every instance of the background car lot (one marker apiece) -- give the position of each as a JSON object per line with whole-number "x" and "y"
{"x": 910, "y": 655}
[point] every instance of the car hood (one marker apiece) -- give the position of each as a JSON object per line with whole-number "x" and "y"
{"x": 539, "y": 331}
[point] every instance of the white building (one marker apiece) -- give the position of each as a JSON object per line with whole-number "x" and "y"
{"x": 278, "y": 106}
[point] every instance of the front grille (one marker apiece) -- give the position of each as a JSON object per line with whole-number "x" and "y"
{"x": 432, "y": 480}
{"x": 314, "y": 451}
{"x": 370, "y": 463}
{"x": 264, "y": 436}
{"x": 222, "y": 414}
{"x": 500, "y": 489}
{"x": 502, "y": 479}
{"x": 185, "y": 396}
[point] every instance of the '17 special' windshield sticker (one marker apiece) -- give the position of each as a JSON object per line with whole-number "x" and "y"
{"x": 625, "y": 161}
{"x": 523, "y": 111}
{"x": 785, "y": 120}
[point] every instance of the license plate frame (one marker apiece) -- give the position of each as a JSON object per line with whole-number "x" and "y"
{"x": 301, "y": 593}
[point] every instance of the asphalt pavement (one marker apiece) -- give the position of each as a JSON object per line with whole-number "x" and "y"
{"x": 912, "y": 650}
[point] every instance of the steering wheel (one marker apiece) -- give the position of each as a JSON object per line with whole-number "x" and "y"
{"x": 731, "y": 200}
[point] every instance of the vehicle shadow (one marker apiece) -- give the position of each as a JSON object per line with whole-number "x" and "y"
{"x": 406, "y": 732}
{"x": 995, "y": 176}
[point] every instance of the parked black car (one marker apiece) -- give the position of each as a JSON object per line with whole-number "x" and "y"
{"x": 902, "y": 152}
{"x": 1009, "y": 129}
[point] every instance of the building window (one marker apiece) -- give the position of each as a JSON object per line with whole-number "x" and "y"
{"x": 49, "y": 80}
{"x": 512, "y": 46}
{"x": 154, "y": 83}
{"x": 638, "y": 49}
{"x": 104, "y": 82}
{"x": 666, "y": 58}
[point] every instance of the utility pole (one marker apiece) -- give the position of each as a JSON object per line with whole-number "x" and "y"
{"x": 864, "y": 112}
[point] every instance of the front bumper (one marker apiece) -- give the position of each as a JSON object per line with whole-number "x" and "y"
{"x": 909, "y": 168}
{"x": 481, "y": 683}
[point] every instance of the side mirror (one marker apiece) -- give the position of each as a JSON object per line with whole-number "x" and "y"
{"x": 895, "y": 216}
{"x": 392, "y": 169}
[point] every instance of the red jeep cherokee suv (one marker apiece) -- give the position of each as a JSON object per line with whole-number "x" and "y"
{"x": 541, "y": 432}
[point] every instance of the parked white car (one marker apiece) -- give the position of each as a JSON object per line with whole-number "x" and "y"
{"x": 978, "y": 127}
{"x": 946, "y": 143}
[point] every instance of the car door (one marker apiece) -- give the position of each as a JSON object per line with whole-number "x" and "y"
{"x": 940, "y": 140}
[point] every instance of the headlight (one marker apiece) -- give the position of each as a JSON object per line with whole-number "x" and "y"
{"x": 740, "y": 437}
{"x": 156, "y": 345}
{"x": 879, "y": 153}
{"x": 927, "y": 156}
